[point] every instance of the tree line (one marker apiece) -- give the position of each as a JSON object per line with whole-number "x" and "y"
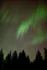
{"x": 21, "y": 61}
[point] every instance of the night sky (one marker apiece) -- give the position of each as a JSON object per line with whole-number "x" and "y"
{"x": 23, "y": 26}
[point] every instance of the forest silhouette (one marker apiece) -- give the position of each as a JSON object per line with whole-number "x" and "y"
{"x": 21, "y": 61}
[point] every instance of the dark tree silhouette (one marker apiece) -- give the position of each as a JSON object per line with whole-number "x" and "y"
{"x": 22, "y": 58}
{"x": 8, "y": 62}
{"x": 39, "y": 58}
{"x": 14, "y": 60}
{"x": 1, "y": 60}
{"x": 45, "y": 55}
{"x": 28, "y": 60}
{"x": 22, "y": 61}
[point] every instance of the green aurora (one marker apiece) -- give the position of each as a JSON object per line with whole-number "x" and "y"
{"x": 41, "y": 13}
